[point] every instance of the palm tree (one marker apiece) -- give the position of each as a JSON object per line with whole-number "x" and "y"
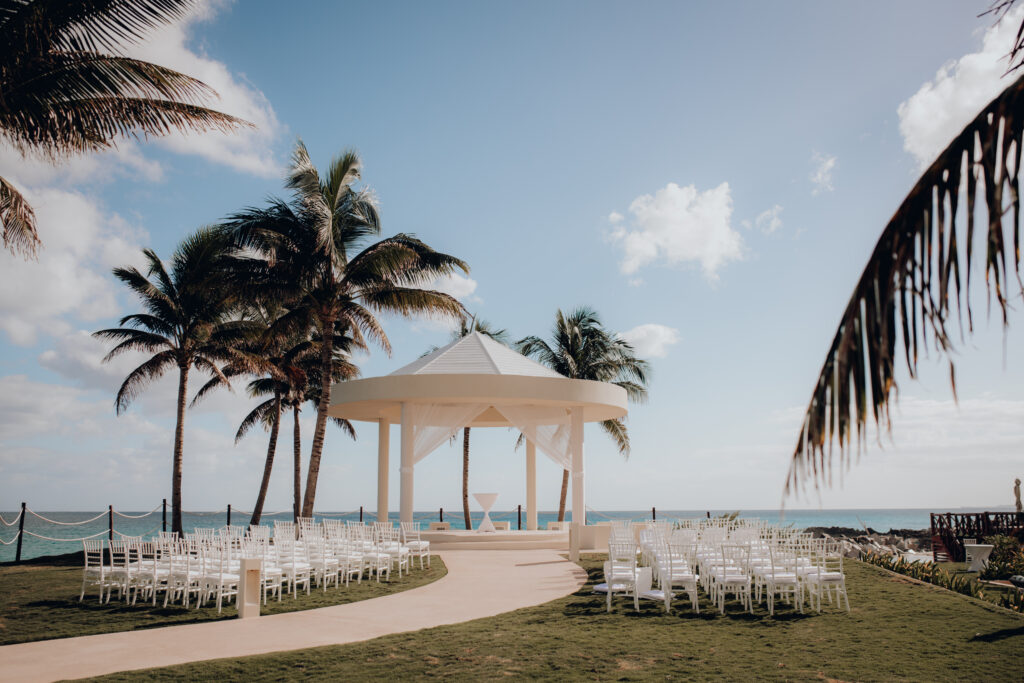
{"x": 188, "y": 323}
{"x": 918, "y": 278}
{"x": 68, "y": 89}
{"x": 468, "y": 326}
{"x": 581, "y": 348}
{"x": 302, "y": 253}
{"x": 283, "y": 365}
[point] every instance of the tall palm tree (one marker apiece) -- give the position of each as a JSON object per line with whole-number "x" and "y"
{"x": 187, "y": 323}
{"x": 468, "y": 326}
{"x": 305, "y": 253}
{"x": 581, "y": 348}
{"x": 918, "y": 279}
{"x": 67, "y": 88}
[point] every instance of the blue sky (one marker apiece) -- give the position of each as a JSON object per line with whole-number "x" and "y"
{"x": 710, "y": 177}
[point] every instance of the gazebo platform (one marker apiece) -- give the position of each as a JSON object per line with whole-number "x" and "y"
{"x": 593, "y": 539}
{"x": 460, "y": 539}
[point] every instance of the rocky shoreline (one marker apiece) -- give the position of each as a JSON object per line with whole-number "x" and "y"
{"x": 859, "y": 542}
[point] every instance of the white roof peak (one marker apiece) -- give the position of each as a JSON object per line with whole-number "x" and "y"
{"x": 476, "y": 354}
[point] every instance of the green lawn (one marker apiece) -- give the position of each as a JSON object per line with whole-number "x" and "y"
{"x": 40, "y": 601}
{"x": 899, "y": 630}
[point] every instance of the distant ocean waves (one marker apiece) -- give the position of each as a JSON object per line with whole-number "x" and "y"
{"x": 147, "y": 526}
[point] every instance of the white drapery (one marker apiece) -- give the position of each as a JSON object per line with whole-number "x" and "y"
{"x": 435, "y": 423}
{"x": 546, "y": 427}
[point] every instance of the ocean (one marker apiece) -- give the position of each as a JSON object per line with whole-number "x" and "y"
{"x": 63, "y": 525}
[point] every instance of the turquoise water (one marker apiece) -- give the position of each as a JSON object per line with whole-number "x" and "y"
{"x": 149, "y": 523}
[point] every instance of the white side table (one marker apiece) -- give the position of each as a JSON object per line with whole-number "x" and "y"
{"x": 977, "y": 555}
{"x": 486, "y": 501}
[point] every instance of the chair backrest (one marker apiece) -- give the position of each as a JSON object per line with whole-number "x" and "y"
{"x": 410, "y": 531}
{"x": 118, "y": 553}
{"x": 622, "y": 554}
{"x": 93, "y": 551}
{"x": 283, "y": 529}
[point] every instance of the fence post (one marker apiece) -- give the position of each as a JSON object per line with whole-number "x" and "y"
{"x": 110, "y": 522}
{"x": 229, "y": 514}
{"x": 165, "y": 515}
{"x": 654, "y": 514}
{"x": 442, "y": 514}
{"x": 360, "y": 514}
{"x": 519, "y": 515}
{"x": 21, "y": 533}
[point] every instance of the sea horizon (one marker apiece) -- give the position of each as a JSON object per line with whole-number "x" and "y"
{"x": 62, "y": 538}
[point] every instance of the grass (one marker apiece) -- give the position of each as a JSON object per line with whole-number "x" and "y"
{"x": 39, "y": 601}
{"x": 898, "y": 630}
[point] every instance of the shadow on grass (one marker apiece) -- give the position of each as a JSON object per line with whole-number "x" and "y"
{"x": 1002, "y": 634}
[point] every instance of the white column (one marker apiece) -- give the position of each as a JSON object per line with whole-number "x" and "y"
{"x": 531, "y": 486}
{"x": 578, "y": 506}
{"x": 383, "y": 452}
{"x": 406, "y": 469}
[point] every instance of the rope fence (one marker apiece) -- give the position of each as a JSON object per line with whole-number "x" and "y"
{"x": 53, "y": 521}
{"x": 12, "y": 522}
{"x": 147, "y": 514}
{"x": 146, "y": 533}
{"x": 70, "y": 540}
{"x": 13, "y": 540}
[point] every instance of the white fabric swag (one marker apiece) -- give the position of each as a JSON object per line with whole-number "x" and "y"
{"x": 549, "y": 432}
{"x": 435, "y": 423}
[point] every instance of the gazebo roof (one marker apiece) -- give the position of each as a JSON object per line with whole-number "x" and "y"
{"x": 475, "y": 369}
{"x": 476, "y": 354}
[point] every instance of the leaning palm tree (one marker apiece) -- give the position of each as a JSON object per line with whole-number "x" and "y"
{"x": 67, "y": 87}
{"x": 305, "y": 253}
{"x": 188, "y": 322}
{"x": 468, "y": 326}
{"x": 918, "y": 280}
{"x": 581, "y": 348}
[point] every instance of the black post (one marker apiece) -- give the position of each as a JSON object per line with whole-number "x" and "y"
{"x": 360, "y": 514}
{"x": 442, "y": 514}
{"x": 519, "y": 514}
{"x": 21, "y": 533}
{"x": 165, "y": 515}
{"x": 110, "y": 522}
{"x": 229, "y": 514}
{"x": 654, "y": 514}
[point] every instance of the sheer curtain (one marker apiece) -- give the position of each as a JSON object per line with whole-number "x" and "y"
{"x": 546, "y": 427}
{"x": 435, "y": 423}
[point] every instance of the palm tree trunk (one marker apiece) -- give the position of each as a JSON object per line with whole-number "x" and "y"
{"x": 465, "y": 478}
{"x": 297, "y": 446}
{"x": 257, "y": 511}
{"x": 565, "y": 490}
{"x": 179, "y": 439}
{"x": 326, "y": 372}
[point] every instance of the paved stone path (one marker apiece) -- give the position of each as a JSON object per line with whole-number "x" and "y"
{"x": 479, "y": 583}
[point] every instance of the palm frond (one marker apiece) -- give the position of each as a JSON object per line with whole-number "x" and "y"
{"x": 617, "y": 430}
{"x": 912, "y": 284}
{"x": 18, "y": 221}
{"x": 141, "y": 377}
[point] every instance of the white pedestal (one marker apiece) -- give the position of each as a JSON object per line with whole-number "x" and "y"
{"x": 486, "y": 501}
{"x": 248, "y": 598}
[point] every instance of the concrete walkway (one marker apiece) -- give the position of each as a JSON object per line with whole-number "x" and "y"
{"x": 479, "y": 583}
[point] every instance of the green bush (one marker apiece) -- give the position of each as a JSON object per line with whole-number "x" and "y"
{"x": 1006, "y": 560}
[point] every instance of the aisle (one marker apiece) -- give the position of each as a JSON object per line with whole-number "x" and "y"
{"x": 479, "y": 583}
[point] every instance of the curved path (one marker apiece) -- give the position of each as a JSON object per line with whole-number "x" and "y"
{"x": 479, "y": 583}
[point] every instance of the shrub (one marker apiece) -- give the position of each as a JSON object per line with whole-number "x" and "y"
{"x": 1007, "y": 558}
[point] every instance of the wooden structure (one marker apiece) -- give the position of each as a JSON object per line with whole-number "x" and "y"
{"x": 951, "y": 528}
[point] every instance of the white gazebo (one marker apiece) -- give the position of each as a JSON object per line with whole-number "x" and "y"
{"x": 478, "y": 382}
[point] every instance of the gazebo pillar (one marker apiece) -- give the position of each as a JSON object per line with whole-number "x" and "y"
{"x": 578, "y": 506}
{"x": 531, "y": 485}
{"x": 383, "y": 448}
{"x": 406, "y": 469}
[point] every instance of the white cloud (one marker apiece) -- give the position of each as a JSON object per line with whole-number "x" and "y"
{"x": 679, "y": 225}
{"x": 81, "y": 244}
{"x": 248, "y": 150}
{"x": 769, "y": 221}
{"x": 821, "y": 175}
{"x": 940, "y": 109}
{"x": 651, "y": 340}
{"x": 459, "y": 286}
